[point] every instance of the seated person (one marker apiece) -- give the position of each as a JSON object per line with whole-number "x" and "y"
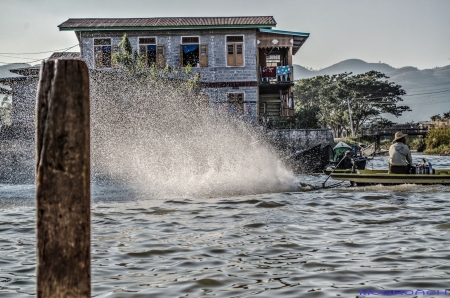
{"x": 346, "y": 162}
{"x": 399, "y": 155}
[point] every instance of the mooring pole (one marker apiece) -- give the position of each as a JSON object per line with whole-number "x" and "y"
{"x": 63, "y": 180}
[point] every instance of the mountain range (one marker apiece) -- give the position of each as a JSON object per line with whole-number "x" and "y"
{"x": 428, "y": 90}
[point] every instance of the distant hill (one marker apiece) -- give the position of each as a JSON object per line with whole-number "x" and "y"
{"x": 426, "y": 89}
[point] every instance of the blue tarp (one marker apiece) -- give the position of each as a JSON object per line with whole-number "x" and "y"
{"x": 190, "y": 48}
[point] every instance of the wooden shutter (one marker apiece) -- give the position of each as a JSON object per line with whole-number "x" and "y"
{"x": 98, "y": 57}
{"x": 114, "y": 50}
{"x": 160, "y": 60}
{"x": 231, "y": 60}
{"x": 181, "y": 55}
{"x": 203, "y": 55}
{"x": 239, "y": 54}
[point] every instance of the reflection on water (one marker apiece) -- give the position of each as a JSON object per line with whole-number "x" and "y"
{"x": 325, "y": 243}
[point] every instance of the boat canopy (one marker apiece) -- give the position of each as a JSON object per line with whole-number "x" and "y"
{"x": 339, "y": 149}
{"x": 342, "y": 145}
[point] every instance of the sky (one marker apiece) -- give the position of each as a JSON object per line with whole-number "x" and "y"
{"x": 397, "y": 32}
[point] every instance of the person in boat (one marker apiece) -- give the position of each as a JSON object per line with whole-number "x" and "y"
{"x": 399, "y": 155}
{"x": 346, "y": 162}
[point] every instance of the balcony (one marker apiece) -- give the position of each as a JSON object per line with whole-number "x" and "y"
{"x": 276, "y": 75}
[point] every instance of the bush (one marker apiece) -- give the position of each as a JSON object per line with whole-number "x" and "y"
{"x": 416, "y": 143}
{"x": 441, "y": 150}
{"x": 438, "y": 137}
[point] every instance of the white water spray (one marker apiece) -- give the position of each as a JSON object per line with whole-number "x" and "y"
{"x": 158, "y": 135}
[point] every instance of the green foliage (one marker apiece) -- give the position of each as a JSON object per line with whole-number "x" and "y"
{"x": 436, "y": 117}
{"x": 446, "y": 115}
{"x": 136, "y": 66}
{"x": 129, "y": 59}
{"x": 125, "y": 44}
{"x": 381, "y": 123}
{"x": 370, "y": 94}
{"x": 188, "y": 68}
{"x": 307, "y": 118}
{"x": 351, "y": 140}
{"x": 437, "y": 137}
{"x": 416, "y": 143}
{"x": 441, "y": 150}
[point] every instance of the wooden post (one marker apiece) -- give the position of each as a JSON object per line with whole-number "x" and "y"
{"x": 63, "y": 180}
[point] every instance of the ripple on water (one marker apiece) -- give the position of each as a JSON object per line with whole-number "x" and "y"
{"x": 316, "y": 244}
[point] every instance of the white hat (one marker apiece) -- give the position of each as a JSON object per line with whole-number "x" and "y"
{"x": 399, "y": 135}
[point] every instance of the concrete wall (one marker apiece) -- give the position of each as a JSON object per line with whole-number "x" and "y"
{"x": 300, "y": 139}
{"x": 24, "y": 101}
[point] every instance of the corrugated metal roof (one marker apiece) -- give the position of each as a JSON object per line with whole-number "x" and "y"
{"x": 27, "y": 71}
{"x": 65, "y": 55}
{"x": 105, "y": 24}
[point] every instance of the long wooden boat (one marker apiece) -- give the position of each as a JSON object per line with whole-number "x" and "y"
{"x": 364, "y": 177}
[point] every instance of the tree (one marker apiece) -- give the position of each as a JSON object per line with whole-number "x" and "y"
{"x": 381, "y": 123}
{"x": 307, "y": 118}
{"x": 436, "y": 117}
{"x": 129, "y": 59}
{"x": 136, "y": 66}
{"x": 370, "y": 95}
{"x": 318, "y": 97}
{"x": 446, "y": 115}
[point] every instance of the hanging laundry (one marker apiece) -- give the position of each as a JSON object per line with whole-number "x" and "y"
{"x": 283, "y": 70}
{"x": 269, "y": 72}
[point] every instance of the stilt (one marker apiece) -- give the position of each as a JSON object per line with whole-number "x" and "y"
{"x": 63, "y": 180}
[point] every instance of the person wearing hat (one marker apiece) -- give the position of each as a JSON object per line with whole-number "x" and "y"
{"x": 399, "y": 155}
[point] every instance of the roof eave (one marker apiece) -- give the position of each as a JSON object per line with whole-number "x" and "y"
{"x": 274, "y": 31}
{"x": 148, "y": 28}
{"x": 298, "y": 44}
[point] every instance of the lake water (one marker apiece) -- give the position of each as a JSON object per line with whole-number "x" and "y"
{"x": 324, "y": 243}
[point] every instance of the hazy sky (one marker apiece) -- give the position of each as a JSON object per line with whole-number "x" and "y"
{"x": 397, "y": 32}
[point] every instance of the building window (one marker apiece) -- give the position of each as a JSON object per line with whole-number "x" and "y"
{"x": 235, "y": 50}
{"x": 102, "y": 53}
{"x": 190, "y": 51}
{"x": 273, "y": 60}
{"x": 235, "y": 103}
{"x": 147, "y": 48}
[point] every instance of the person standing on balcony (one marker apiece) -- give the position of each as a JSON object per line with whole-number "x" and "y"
{"x": 399, "y": 155}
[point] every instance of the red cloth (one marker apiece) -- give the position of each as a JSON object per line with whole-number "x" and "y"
{"x": 269, "y": 72}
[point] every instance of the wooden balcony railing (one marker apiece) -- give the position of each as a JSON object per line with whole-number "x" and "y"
{"x": 276, "y": 74}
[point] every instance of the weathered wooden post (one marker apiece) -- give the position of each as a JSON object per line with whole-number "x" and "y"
{"x": 63, "y": 180}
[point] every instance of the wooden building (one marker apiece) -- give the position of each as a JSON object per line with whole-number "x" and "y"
{"x": 245, "y": 65}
